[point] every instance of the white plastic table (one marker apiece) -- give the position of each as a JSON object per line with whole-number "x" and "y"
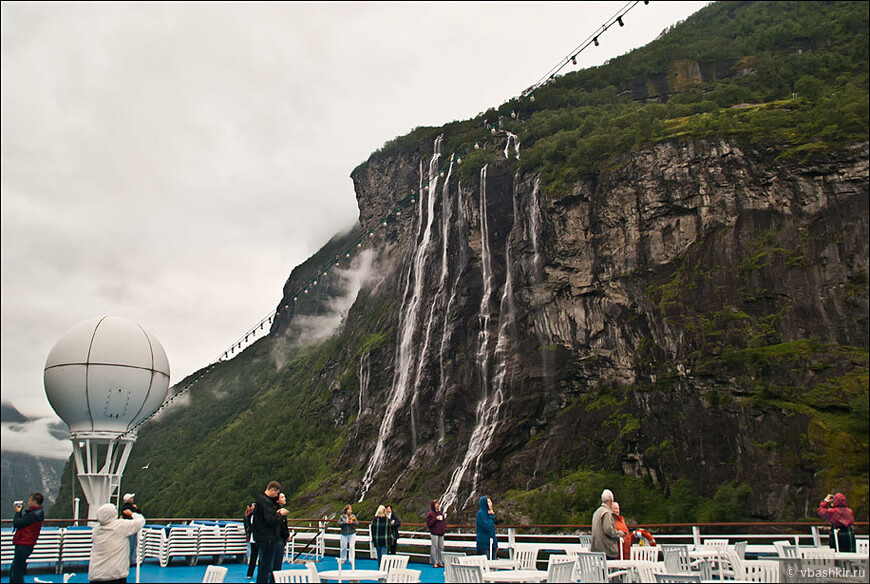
{"x": 351, "y": 575}
{"x": 515, "y": 576}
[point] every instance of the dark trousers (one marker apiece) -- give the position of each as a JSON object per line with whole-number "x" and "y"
{"x": 279, "y": 557}
{"x": 267, "y": 550}
{"x": 252, "y": 562}
{"x": 19, "y": 563}
{"x": 489, "y": 553}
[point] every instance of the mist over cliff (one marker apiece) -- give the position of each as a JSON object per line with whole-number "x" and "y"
{"x": 652, "y": 278}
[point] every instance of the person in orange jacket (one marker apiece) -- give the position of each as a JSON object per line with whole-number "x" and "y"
{"x": 619, "y": 523}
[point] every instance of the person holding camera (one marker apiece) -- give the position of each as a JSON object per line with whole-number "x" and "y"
{"x": 27, "y": 524}
{"x": 347, "y": 523}
{"x": 833, "y": 509}
{"x": 110, "y": 552}
{"x": 437, "y": 528}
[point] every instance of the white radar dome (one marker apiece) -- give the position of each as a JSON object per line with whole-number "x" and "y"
{"x": 105, "y": 375}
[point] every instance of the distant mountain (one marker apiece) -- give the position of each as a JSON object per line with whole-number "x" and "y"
{"x": 24, "y": 473}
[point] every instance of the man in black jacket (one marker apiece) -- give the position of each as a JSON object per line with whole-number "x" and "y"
{"x": 395, "y": 523}
{"x": 267, "y": 530}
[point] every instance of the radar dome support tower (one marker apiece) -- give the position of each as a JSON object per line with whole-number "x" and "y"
{"x": 103, "y": 377}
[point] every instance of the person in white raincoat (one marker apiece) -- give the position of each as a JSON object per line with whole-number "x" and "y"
{"x": 110, "y": 554}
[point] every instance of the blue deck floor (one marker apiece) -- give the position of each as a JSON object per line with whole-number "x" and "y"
{"x": 178, "y": 571}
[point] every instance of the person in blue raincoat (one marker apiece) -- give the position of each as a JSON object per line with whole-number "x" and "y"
{"x": 487, "y": 544}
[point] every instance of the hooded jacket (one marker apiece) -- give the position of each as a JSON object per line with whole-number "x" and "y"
{"x": 436, "y": 526}
{"x": 839, "y": 515}
{"x": 485, "y": 526}
{"x": 27, "y": 524}
{"x": 110, "y": 553}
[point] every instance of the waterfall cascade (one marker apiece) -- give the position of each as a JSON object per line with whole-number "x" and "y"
{"x": 411, "y": 300}
{"x": 489, "y": 406}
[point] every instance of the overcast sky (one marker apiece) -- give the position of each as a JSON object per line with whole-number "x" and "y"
{"x": 172, "y": 162}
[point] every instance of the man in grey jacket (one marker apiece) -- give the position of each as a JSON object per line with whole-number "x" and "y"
{"x": 605, "y": 536}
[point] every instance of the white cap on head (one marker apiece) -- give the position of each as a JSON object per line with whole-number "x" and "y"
{"x": 129, "y": 496}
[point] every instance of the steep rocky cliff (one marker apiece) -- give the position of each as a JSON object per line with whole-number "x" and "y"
{"x": 677, "y": 316}
{"x": 584, "y": 291}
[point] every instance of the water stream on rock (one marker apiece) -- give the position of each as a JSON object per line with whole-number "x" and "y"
{"x": 407, "y": 323}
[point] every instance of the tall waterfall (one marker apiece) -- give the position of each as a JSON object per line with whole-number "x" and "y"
{"x": 516, "y": 141}
{"x": 534, "y": 225}
{"x": 405, "y": 360}
{"x": 490, "y": 403}
{"x": 461, "y": 234}
{"x": 364, "y": 373}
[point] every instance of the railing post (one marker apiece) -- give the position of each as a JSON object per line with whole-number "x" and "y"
{"x": 696, "y": 536}
{"x": 817, "y": 540}
{"x": 512, "y": 541}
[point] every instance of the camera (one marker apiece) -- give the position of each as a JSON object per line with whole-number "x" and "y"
{"x": 18, "y": 504}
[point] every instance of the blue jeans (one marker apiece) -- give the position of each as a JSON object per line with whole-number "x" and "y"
{"x": 267, "y": 551}
{"x": 19, "y": 563}
{"x": 380, "y": 550}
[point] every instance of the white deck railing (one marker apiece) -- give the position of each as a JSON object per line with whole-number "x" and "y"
{"x": 314, "y": 539}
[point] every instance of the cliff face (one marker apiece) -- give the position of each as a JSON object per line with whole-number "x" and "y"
{"x": 695, "y": 312}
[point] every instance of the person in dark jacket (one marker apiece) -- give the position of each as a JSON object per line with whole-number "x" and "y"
{"x": 437, "y": 528}
{"x": 380, "y": 532}
{"x": 395, "y": 523}
{"x": 487, "y": 544}
{"x": 127, "y": 511}
{"x": 285, "y": 533}
{"x": 27, "y": 524}
{"x": 266, "y": 529}
{"x": 833, "y": 508}
{"x": 252, "y": 559}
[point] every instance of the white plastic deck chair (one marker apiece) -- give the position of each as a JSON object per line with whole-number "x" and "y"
{"x": 403, "y": 575}
{"x": 215, "y": 574}
{"x": 817, "y": 559}
{"x": 862, "y": 546}
{"x": 715, "y": 543}
{"x": 475, "y": 560}
{"x": 467, "y": 573}
{"x": 646, "y": 572}
{"x": 312, "y": 569}
{"x": 677, "y": 560}
{"x": 644, "y": 553}
{"x": 390, "y": 562}
{"x": 526, "y": 557}
{"x": 299, "y": 575}
{"x": 561, "y": 569}
{"x": 740, "y": 548}
{"x": 450, "y": 560}
{"x": 784, "y": 549}
{"x": 678, "y": 578}
{"x": 593, "y": 567}
{"x": 760, "y": 571}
